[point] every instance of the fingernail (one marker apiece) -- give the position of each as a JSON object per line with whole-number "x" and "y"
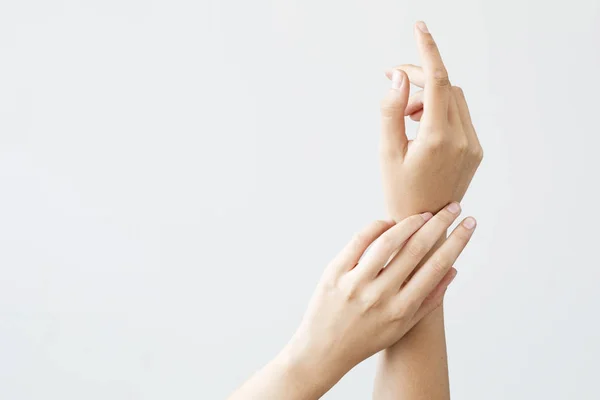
{"x": 454, "y": 208}
{"x": 397, "y": 78}
{"x": 469, "y": 223}
{"x": 422, "y": 27}
{"x": 427, "y": 216}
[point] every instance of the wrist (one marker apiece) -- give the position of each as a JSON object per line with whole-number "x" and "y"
{"x": 310, "y": 367}
{"x": 398, "y": 210}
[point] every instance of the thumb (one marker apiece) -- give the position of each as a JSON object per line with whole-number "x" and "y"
{"x": 393, "y": 130}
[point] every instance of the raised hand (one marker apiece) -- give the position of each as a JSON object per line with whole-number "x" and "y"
{"x": 436, "y": 167}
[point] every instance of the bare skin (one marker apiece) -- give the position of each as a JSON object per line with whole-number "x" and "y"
{"x": 424, "y": 174}
{"x": 365, "y": 301}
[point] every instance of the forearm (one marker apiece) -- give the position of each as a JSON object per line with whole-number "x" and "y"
{"x": 290, "y": 375}
{"x": 415, "y": 367}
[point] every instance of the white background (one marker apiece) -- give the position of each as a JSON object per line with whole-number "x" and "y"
{"x": 174, "y": 176}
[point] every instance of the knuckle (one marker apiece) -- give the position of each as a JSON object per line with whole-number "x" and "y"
{"x": 458, "y": 90}
{"x": 435, "y": 144}
{"x": 402, "y": 313}
{"x": 391, "y": 108}
{"x": 415, "y": 222}
{"x": 430, "y": 44}
{"x": 446, "y": 217}
{"x": 478, "y": 153}
{"x": 399, "y": 314}
{"x": 441, "y": 82}
{"x": 438, "y": 265}
{"x": 416, "y": 249}
{"x": 386, "y": 243}
{"x": 462, "y": 146}
{"x": 440, "y": 77}
{"x": 370, "y": 300}
{"x": 412, "y": 223}
{"x": 350, "y": 290}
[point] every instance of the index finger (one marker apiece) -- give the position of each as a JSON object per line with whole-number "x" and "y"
{"x": 437, "y": 266}
{"x": 437, "y": 84}
{"x": 387, "y": 244}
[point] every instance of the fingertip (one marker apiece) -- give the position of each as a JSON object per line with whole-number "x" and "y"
{"x": 470, "y": 223}
{"x": 399, "y": 78}
{"x": 421, "y": 26}
{"x": 416, "y": 116}
{"x": 453, "y": 207}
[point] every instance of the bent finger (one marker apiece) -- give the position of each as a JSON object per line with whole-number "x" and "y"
{"x": 404, "y": 263}
{"x": 435, "y": 298}
{"x": 437, "y": 266}
{"x": 387, "y": 245}
{"x": 393, "y": 129}
{"x": 353, "y": 251}
{"x": 415, "y": 103}
{"x": 465, "y": 116}
{"x": 415, "y": 73}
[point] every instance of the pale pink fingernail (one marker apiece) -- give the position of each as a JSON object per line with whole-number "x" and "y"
{"x": 422, "y": 27}
{"x": 469, "y": 223}
{"x": 397, "y": 78}
{"x": 454, "y": 208}
{"x": 427, "y": 216}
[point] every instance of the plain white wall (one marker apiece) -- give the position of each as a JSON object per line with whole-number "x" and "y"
{"x": 175, "y": 175}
